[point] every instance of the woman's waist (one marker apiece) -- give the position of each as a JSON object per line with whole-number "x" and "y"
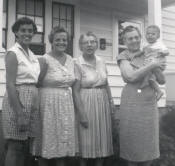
{"x": 131, "y": 91}
{"x": 93, "y": 87}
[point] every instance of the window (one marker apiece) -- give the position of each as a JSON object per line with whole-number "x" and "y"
{"x": 63, "y": 15}
{"x": 121, "y": 25}
{"x": 4, "y": 28}
{"x": 34, "y": 9}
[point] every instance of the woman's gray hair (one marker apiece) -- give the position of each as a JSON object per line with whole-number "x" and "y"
{"x": 87, "y": 34}
{"x": 130, "y": 28}
{"x": 55, "y": 30}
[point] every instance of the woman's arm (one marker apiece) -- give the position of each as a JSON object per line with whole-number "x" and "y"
{"x": 78, "y": 103}
{"x": 111, "y": 102}
{"x": 76, "y": 88}
{"x": 132, "y": 75}
{"x": 43, "y": 70}
{"x": 11, "y": 71}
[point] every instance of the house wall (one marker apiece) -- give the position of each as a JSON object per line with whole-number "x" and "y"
{"x": 2, "y": 77}
{"x": 168, "y": 29}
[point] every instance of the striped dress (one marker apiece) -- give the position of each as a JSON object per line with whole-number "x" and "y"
{"x": 96, "y": 140}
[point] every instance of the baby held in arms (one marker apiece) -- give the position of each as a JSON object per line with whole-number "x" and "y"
{"x": 154, "y": 49}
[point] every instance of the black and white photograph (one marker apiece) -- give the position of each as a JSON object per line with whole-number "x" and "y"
{"x": 87, "y": 82}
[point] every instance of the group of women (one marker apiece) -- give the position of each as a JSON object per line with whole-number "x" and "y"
{"x": 56, "y": 106}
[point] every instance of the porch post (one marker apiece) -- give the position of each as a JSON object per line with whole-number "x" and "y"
{"x": 11, "y": 19}
{"x": 76, "y": 30}
{"x": 1, "y": 25}
{"x": 48, "y": 23}
{"x": 154, "y": 13}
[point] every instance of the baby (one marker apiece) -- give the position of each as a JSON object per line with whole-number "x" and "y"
{"x": 154, "y": 49}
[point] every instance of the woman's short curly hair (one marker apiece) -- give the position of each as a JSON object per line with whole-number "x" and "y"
{"x": 57, "y": 29}
{"x": 23, "y": 21}
{"x": 130, "y": 28}
{"x": 89, "y": 33}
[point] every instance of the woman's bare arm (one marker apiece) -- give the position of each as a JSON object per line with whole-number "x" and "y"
{"x": 132, "y": 75}
{"x": 11, "y": 71}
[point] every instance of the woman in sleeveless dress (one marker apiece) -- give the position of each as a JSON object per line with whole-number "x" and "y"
{"x": 19, "y": 109}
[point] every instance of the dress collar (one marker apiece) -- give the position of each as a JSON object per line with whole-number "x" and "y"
{"x": 30, "y": 54}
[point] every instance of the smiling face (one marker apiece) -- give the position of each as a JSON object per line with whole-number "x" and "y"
{"x": 132, "y": 40}
{"x": 60, "y": 42}
{"x": 24, "y": 34}
{"x": 152, "y": 34}
{"x": 88, "y": 45}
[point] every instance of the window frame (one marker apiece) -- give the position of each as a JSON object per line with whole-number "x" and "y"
{"x": 42, "y": 43}
{"x": 71, "y": 36}
{"x": 5, "y": 29}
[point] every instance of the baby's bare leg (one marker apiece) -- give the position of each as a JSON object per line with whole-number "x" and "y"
{"x": 156, "y": 87}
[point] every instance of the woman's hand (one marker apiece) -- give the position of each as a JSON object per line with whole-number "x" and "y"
{"x": 158, "y": 63}
{"x": 22, "y": 122}
{"x": 83, "y": 120}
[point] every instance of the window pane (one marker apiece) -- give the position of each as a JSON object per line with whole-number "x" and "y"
{"x": 37, "y": 38}
{"x": 69, "y": 13}
{"x": 39, "y": 23}
{"x": 21, "y": 6}
{"x": 69, "y": 28}
{"x": 31, "y": 17}
{"x": 55, "y": 11}
{"x": 55, "y": 23}
{"x": 4, "y": 20}
{"x": 63, "y": 23}
{"x": 30, "y": 7}
{"x": 39, "y": 8}
{"x": 62, "y": 12}
{"x": 20, "y": 15}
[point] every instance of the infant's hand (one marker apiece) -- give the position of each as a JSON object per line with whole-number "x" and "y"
{"x": 157, "y": 62}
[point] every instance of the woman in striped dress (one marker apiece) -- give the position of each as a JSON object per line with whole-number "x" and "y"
{"x": 96, "y": 140}
{"x": 19, "y": 109}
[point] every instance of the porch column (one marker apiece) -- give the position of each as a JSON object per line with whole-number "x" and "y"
{"x": 1, "y": 25}
{"x": 76, "y": 30}
{"x": 154, "y": 13}
{"x": 48, "y": 23}
{"x": 11, "y": 20}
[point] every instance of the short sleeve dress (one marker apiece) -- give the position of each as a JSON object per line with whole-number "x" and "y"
{"x": 58, "y": 138}
{"x": 96, "y": 140}
{"x": 139, "y": 120}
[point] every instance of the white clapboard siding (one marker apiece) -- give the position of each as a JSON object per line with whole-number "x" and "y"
{"x": 168, "y": 29}
{"x": 100, "y": 23}
{"x": 2, "y": 78}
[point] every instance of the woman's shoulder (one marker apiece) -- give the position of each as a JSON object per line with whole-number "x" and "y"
{"x": 124, "y": 55}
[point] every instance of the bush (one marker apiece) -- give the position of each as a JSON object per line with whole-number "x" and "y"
{"x": 167, "y": 139}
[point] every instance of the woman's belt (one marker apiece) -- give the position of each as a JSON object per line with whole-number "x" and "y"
{"x": 32, "y": 84}
{"x": 96, "y": 87}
